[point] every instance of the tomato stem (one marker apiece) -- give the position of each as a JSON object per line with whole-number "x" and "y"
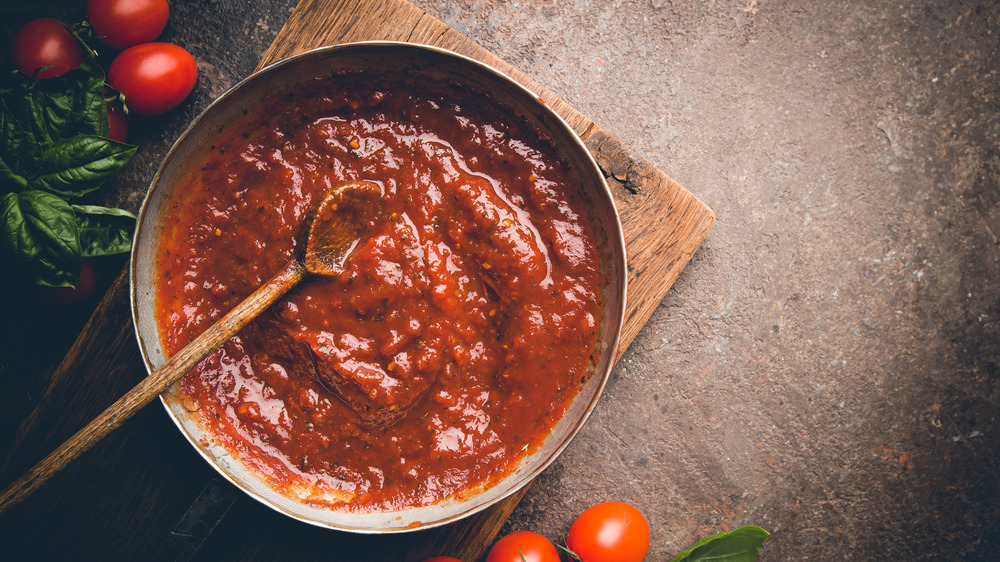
{"x": 571, "y": 554}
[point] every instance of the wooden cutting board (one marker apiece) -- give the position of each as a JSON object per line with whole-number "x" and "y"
{"x": 132, "y": 496}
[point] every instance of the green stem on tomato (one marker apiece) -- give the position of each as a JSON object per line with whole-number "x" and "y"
{"x": 571, "y": 554}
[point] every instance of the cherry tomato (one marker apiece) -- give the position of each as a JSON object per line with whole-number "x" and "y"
{"x": 45, "y": 42}
{"x": 117, "y": 123}
{"x": 121, "y": 24}
{"x": 523, "y": 546}
{"x": 69, "y": 297}
{"x": 610, "y": 532}
{"x": 154, "y": 77}
{"x": 442, "y": 559}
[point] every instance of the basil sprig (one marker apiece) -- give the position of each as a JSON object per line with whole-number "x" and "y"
{"x": 54, "y": 150}
{"x": 738, "y": 545}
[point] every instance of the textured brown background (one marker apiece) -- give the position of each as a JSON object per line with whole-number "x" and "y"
{"x": 827, "y": 365}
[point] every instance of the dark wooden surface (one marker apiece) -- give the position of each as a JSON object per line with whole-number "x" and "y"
{"x": 124, "y": 498}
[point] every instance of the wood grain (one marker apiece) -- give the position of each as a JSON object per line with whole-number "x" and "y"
{"x": 142, "y": 479}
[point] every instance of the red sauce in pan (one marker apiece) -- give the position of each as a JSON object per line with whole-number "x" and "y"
{"x": 459, "y": 331}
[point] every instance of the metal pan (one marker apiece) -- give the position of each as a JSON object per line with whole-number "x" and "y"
{"x": 436, "y": 64}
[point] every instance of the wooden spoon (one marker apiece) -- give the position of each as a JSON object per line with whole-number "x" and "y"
{"x": 330, "y": 233}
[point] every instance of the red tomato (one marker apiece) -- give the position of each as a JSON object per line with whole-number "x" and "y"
{"x": 117, "y": 123}
{"x": 610, "y": 532}
{"x": 69, "y": 297}
{"x": 155, "y": 77}
{"x": 121, "y": 24}
{"x": 45, "y": 42}
{"x": 523, "y": 546}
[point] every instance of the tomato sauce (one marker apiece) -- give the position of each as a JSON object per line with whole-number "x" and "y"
{"x": 459, "y": 331}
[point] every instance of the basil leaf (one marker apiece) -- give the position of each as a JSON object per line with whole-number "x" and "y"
{"x": 41, "y": 232}
{"x": 53, "y": 147}
{"x": 104, "y": 231}
{"x": 80, "y": 165}
{"x": 61, "y": 107}
{"x": 45, "y": 113}
{"x": 9, "y": 179}
{"x": 20, "y": 127}
{"x": 738, "y": 545}
{"x": 72, "y": 103}
{"x": 17, "y": 151}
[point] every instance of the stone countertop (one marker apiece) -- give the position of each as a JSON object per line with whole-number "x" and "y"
{"x": 826, "y": 367}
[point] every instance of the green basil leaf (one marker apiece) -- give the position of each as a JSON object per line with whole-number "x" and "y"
{"x": 61, "y": 107}
{"x": 17, "y": 151}
{"x": 21, "y": 125}
{"x": 40, "y": 231}
{"x": 71, "y": 104}
{"x": 9, "y": 179}
{"x": 42, "y": 114}
{"x": 54, "y": 146}
{"x": 738, "y": 545}
{"x": 104, "y": 231}
{"x": 80, "y": 165}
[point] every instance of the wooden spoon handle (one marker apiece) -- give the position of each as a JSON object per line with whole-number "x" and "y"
{"x": 156, "y": 383}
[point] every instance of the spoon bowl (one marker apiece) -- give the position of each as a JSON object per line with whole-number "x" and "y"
{"x": 336, "y": 225}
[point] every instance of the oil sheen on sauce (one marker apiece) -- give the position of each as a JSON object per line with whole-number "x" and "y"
{"x": 459, "y": 331}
